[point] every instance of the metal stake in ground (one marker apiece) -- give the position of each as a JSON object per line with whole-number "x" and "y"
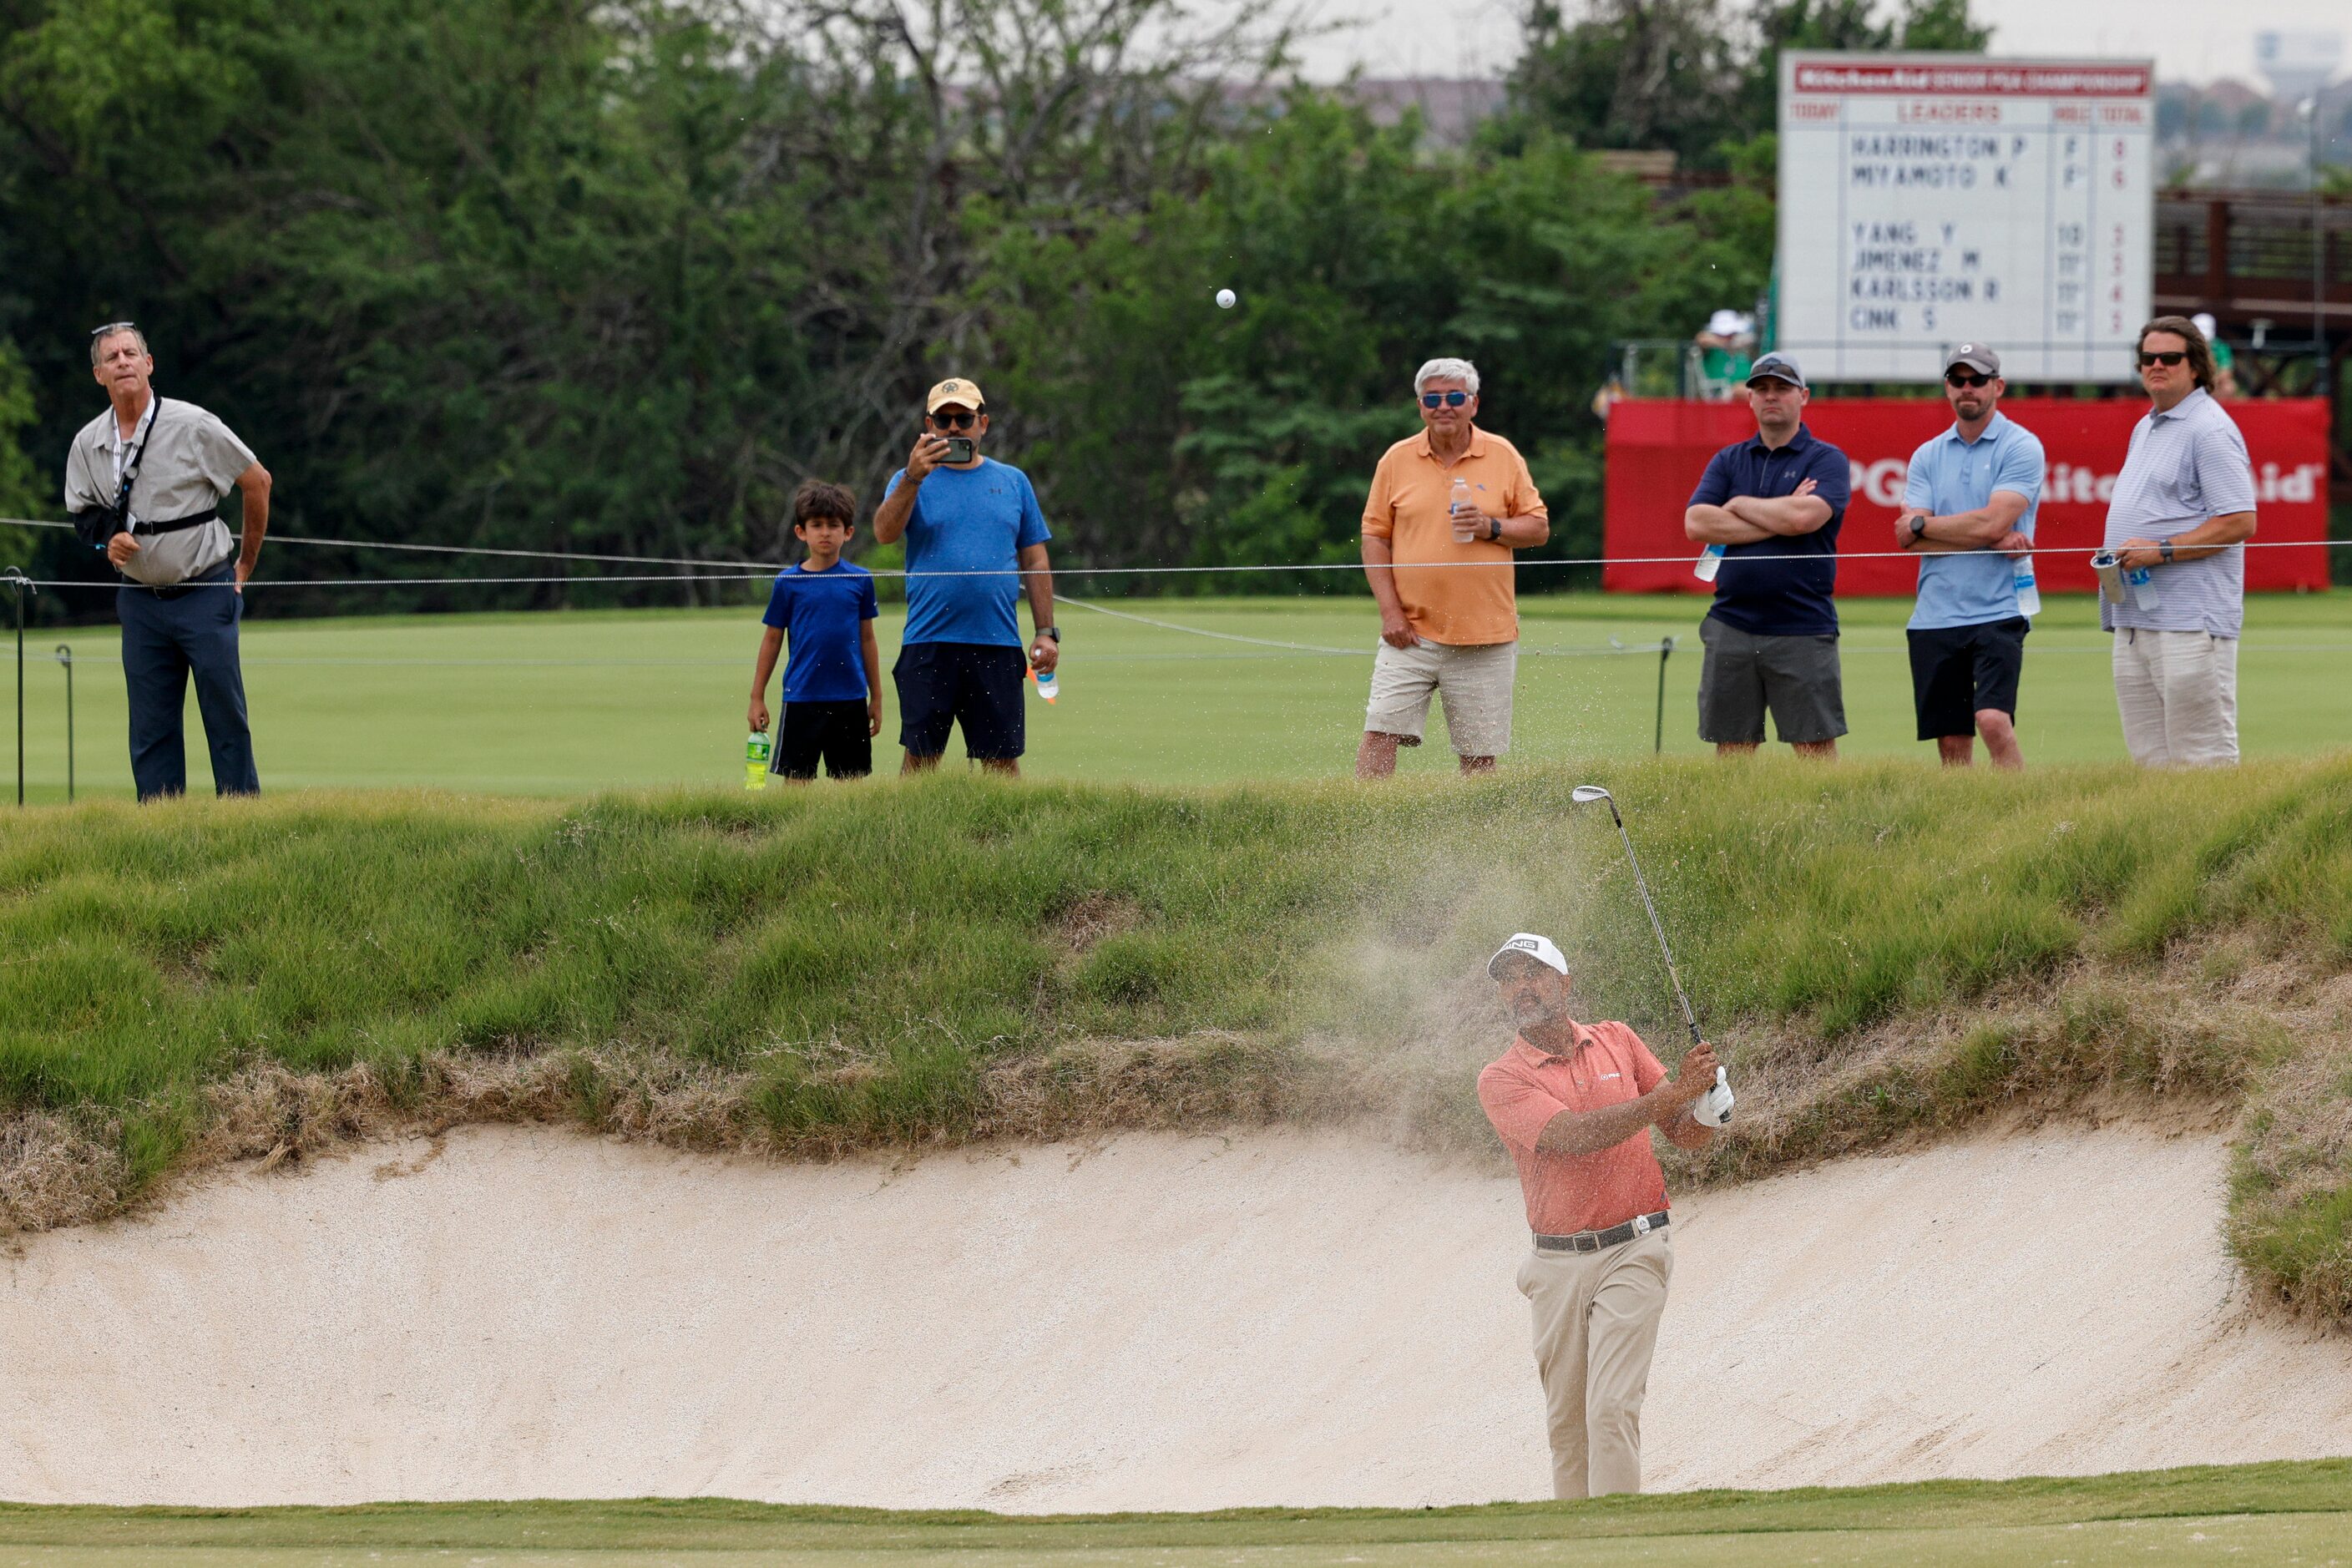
{"x": 23, "y": 585}
{"x": 1585, "y": 794}
{"x": 65, "y": 656}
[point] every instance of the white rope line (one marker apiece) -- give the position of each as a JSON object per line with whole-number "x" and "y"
{"x": 756, "y": 569}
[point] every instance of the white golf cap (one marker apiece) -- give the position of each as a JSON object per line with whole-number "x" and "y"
{"x": 1540, "y": 948}
{"x": 1725, "y": 324}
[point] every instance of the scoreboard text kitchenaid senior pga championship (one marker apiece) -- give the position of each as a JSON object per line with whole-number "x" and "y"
{"x": 1929, "y": 200}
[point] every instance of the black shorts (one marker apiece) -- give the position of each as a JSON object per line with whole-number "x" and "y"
{"x": 1957, "y": 672}
{"x": 976, "y": 685}
{"x": 1744, "y": 674}
{"x": 835, "y": 732}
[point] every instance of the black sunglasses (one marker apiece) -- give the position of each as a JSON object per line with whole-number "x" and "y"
{"x": 955, "y": 421}
{"x": 2166, "y": 357}
{"x": 1446, "y": 399}
{"x": 1956, "y": 378}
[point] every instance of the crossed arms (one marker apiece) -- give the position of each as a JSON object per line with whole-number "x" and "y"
{"x": 1992, "y": 526}
{"x": 1750, "y": 519}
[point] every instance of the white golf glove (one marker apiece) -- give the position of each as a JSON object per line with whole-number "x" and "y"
{"x": 1713, "y": 1109}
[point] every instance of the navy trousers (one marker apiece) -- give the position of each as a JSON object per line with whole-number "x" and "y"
{"x": 168, "y": 634}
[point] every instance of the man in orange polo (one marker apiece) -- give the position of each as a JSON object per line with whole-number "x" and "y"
{"x": 1447, "y": 508}
{"x": 1574, "y": 1104}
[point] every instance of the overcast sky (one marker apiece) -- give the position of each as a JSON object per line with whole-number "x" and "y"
{"x": 2192, "y": 41}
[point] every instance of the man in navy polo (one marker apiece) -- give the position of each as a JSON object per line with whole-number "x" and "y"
{"x": 1970, "y": 494}
{"x": 1774, "y": 503}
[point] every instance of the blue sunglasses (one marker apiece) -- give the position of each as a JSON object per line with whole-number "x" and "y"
{"x": 1448, "y": 399}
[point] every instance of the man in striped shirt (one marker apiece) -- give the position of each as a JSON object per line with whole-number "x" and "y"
{"x": 2183, "y": 506}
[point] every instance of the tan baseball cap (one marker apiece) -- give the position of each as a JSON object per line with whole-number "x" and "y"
{"x": 955, "y": 390}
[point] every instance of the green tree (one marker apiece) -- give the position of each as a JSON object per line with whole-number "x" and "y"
{"x": 1694, "y": 77}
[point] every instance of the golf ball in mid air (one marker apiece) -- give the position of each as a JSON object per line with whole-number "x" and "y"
{"x": 1225, "y": 299}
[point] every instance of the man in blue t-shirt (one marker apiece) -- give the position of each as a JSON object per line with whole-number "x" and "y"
{"x": 974, "y": 535}
{"x": 1970, "y": 494}
{"x": 1774, "y": 503}
{"x": 833, "y": 683}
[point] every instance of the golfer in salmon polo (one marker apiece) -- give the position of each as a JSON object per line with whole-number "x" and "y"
{"x": 1574, "y": 1104}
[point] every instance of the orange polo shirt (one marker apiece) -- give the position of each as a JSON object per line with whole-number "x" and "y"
{"x": 1525, "y": 1088}
{"x": 1409, "y": 507}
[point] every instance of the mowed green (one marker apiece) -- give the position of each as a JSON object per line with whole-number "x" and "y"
{"x": 566, "y": 703}
{"x": 2267, "y": 1512}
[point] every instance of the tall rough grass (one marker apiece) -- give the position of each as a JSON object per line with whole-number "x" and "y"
{"x": 1880, "y": 948}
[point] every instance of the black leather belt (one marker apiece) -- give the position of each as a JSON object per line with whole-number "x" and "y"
{"x": 223, "y": 573}
{"x": 1598, "y": 1240}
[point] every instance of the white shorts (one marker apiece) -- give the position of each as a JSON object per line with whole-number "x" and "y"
{"x": 1475, "y": 681}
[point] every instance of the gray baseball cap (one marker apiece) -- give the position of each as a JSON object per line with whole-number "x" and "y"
{"x": 1776, "y": 366}
{"x": 1976, "y": 356}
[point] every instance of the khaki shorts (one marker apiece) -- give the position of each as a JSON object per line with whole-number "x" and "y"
{"x": 1475, "y": 681}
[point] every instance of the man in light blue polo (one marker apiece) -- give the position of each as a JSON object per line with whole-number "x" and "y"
{"x": 2183, "y": 508}
{"x": 1971, "y": 495}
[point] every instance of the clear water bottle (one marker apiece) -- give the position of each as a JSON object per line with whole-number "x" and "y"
{"x": 1710, "y": 561}
{"x": 1049, "y": 685}
{"x": 2143, "y": 591}
{"x": 2029, "y": 593}
{"x": 756, "y": 751}
{"x": 1458, "y": 502}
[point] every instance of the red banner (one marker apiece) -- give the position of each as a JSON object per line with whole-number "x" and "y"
{"x": 1657, "y": 452}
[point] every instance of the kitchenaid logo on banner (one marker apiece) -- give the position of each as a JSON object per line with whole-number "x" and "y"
{"x": 1881, "y": 482}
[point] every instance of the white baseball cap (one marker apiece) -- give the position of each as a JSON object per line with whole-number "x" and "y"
{"x": 1540, "y": 948}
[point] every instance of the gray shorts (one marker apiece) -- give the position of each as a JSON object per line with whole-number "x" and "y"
{"x": 1744, "y": 674}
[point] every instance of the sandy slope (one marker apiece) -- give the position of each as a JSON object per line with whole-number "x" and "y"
{"x": 1157, "y": 1322}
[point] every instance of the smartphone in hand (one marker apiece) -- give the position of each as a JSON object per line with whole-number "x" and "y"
{"x": 960, "y": 449}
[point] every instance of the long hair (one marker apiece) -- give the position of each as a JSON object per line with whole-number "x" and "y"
{"x": 2200, "y": 352}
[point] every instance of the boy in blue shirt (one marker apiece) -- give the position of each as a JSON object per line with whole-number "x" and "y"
{"x": 832, "y": 682}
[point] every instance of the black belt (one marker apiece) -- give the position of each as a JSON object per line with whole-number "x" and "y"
{"x": 176, "y": 524}
{"x": 223, "y": 573}
{"x": 1598, "y": 1240}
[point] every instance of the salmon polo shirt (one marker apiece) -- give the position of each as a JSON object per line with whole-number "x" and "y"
{"x": 1411, "y": 507}
{"x": 1525, "y": 1088}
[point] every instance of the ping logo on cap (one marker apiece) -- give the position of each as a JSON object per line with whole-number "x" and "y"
{"x": 1521, "y": 945}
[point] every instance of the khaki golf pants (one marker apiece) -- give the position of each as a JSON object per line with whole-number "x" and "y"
{"x": 2177, "y": 693}
{"x": 1596, "y": 1317}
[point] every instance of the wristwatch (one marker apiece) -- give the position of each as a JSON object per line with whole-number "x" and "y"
{"x": 1495, "y": 523}
{"x": 1918, "y": 526}
{"x": 2164, "y": 549}
{"x": 1054, "y": 632}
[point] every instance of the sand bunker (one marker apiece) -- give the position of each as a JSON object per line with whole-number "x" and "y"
{"x": 1156, "y": 1322}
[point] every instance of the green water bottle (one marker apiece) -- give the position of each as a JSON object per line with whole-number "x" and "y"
{"x": 755, "y": 760}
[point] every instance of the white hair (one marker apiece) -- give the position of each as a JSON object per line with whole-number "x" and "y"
{"x": 1460, "y": 370}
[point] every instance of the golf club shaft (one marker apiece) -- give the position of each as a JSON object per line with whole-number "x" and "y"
{"x": 1657, "y": 926}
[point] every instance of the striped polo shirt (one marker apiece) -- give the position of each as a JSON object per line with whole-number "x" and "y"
{"x": 2187, "y": 465}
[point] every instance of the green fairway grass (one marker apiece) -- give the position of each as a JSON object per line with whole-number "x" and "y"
{"x": 562, "y": 703}
{"x": 2268, "y": 1513}
{"x": 1881, "y": 948}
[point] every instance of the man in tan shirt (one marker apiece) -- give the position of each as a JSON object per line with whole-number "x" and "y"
{"x": 1447, "y": 508}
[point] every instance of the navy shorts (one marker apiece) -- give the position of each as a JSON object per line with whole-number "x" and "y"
{"x": 1957, "y": 672}
{"x": 832, "y": 732}
{"x": 975, "y": 685}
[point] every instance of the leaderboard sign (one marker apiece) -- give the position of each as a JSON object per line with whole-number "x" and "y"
{"x": 1929, "y": 200}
